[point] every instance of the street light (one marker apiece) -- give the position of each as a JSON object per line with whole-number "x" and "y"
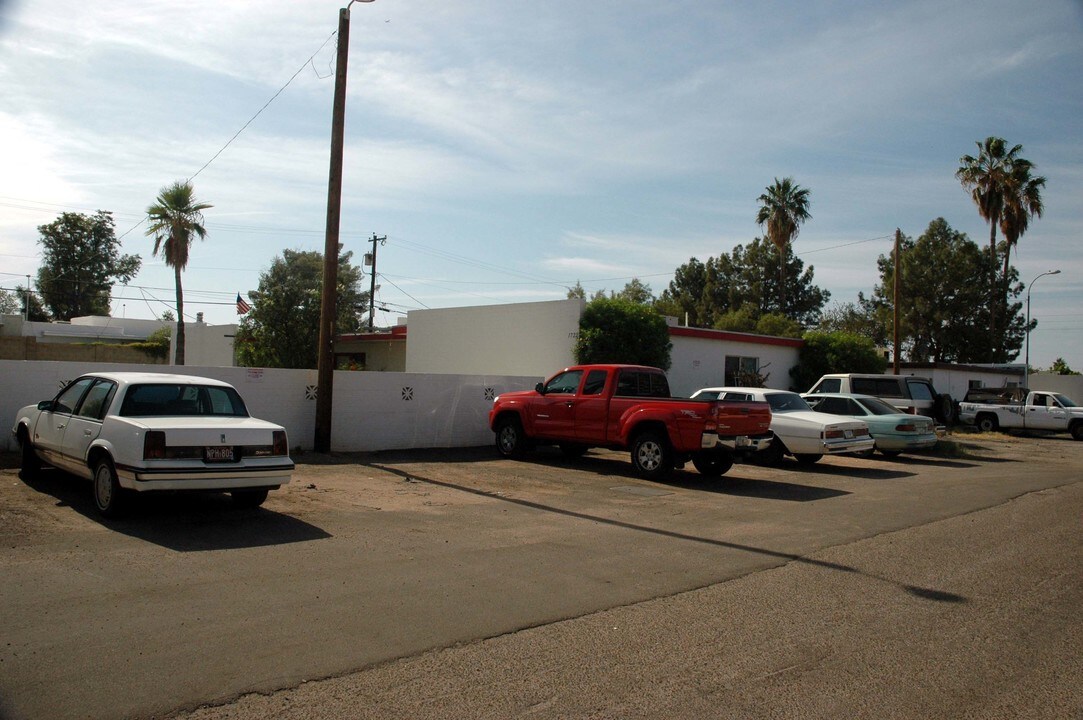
{"x": 1026, "y": 359}
{"x": 325, "y": 365}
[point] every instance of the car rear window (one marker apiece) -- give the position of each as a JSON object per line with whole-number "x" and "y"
{"x": 161, "y": 399}
{"x": 639, "y": 383}
{"x": 880, "y": 387}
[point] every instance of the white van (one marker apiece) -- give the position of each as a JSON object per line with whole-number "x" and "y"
{"x": 914, "y": 395}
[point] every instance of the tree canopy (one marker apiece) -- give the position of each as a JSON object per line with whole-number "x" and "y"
{"x": 945, "y": 308}
{"x": 743, "y": 282}
{"x": 282, "y": 329}
{"x": 832, "y": 352}
{"x": 783, "y": 210}
{"x": 617, "y": 330}
{"x": 80, "y": 262}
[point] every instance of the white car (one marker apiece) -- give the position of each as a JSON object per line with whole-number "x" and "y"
{"x": 799, "y": 430}
{"x": 139, "y": 432}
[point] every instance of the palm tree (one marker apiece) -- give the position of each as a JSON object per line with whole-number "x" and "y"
{"x": 783, "y": 208}
{"x": 987, "y": 177}
{"x": 1022, "y": 201}
{"x": 174, "y": 218}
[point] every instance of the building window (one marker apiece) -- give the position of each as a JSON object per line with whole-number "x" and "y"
{"x": 742, "y": 371}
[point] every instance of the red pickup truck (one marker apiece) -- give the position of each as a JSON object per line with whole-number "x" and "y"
{"x": 629, "y": 407}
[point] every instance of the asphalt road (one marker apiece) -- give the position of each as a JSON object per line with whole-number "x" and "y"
{"x": 459, "y": 585}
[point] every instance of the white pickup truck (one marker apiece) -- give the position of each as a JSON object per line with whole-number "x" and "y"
{"x": 1038, "y": 410}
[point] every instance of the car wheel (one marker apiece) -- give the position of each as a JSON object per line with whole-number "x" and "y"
{"x": 510, "y": 439}
{"x": 891, "y": 453}
{"x": 773, "y": 453}
{"x": 944, "y": 410}
{"x": 807, "y": 458}
{"x": 987, "y": 423}
{"x": 248, "y": 498}
{"x": 651, "y": 455}
{"x": 573, "y": 450}
{"x": 30, "y": 465}
{"x": 109, "y": 497}
{"x": 712, "y": 464}
{"x": 1077, "y": 431}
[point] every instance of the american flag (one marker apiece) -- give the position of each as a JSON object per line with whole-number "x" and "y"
{"x": 242, "y": 306}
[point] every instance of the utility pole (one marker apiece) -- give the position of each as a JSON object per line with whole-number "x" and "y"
{"x": 898, "y": 298}
{"x": 372, "y": 286}
{"x": 325, "y": 367}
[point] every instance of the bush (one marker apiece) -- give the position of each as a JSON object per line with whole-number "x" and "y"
{"x": 835, "y": 352}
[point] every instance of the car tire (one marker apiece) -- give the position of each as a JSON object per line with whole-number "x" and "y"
{"x": 1077, "y": 431}
{"x": 944, "y": 410}
{"x": 652, "y": 457}
{"x": 109, "y": 497}
{"x": 511, "y": 441}
{"x": 891, "y": 453}
{"x": 30, "y": 464}
{"x": 987, "y": 423}
{"x": 773, "y": 453}
{"x": 248, "y": 498}
{"x": 807, "y": 458}
{"x": 712, "y": 464}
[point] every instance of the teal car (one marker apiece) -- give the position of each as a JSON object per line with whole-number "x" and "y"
{"x": 893, "y": 432}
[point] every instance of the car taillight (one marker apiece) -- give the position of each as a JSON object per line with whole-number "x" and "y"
{"x": 281, "y": 446}
{"x": 154, "y": 445}
{"x": 833, "y": 434}
{"x": 906, "y": 428}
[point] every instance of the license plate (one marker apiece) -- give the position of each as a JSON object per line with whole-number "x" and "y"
{"x": 743, "y": 441}
{"x": 223, "y": 453}
{"x": 849, "y": 434}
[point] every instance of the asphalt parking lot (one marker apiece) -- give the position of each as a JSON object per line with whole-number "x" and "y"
{"x": 387, "y": 569}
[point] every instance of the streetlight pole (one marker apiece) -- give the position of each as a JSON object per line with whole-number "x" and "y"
{"x": 1026, "y": 358}
{"x": 325, "y": 367}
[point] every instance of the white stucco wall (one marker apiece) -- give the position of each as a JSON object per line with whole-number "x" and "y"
{"x": 515, "y": 339}
{"x": 371, "y": 411}
{"x": 701, "y": 362}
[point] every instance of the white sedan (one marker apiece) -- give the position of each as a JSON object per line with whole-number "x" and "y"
{"x": 138, "y": 432}
{"x": 799, "y": 430}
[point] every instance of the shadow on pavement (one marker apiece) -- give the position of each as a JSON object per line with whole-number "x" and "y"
{"x": 184, "y": 522}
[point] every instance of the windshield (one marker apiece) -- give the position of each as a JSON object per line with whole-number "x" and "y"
{"x": 786, "y": 402}
{"x": 182, "y": 400}
{"x": 1065, "y": 401}
{"x": 878, "y": 407}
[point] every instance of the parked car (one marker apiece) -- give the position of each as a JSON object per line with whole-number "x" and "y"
{"x": 892, "y": 431}
{"x": 146, "y": 432}
{"x": 910, "y": 394}
{"x": 629, "y": 407}
{"x": 798, "y": 429}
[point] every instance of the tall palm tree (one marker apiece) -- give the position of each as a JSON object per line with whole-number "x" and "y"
{"x": 174, "y": 218}
{"x": 783, "y": 208}
{"x": 1022, "y": 201}
{"x": 986, "y": 176}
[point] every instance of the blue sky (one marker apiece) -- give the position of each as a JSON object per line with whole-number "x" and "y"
{"x": 510, "y": 149}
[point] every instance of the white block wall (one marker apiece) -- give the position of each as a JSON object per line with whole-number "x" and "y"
{"x": 515, "y": 339}
{"x": 371, "y": 411}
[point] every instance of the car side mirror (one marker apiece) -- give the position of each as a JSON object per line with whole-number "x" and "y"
{"x": 540, "y": 389}
{"x": 46, "y": 405}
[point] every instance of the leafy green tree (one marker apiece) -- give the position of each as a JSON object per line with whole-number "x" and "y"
{"x": 1061, "y": 368}
{"x": 175, "y": 218}
{"x": 577, "y": 291}
{"x": 80, "y": 262}
{"x": 856, "y": 319}
{"x": 834, "y": 352}
{"x": 945, "y": 312}
{"x": 783, "y": 209}
{"x": 616, "y": 330}
{"x": 9, "y": 303}
{"x": 636, "y": 292}
{"x": 37, "y": 311}
{"x": 157, "y": 343}
{"x": 743, "y": 282}
{"x": 283, "y": 327}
